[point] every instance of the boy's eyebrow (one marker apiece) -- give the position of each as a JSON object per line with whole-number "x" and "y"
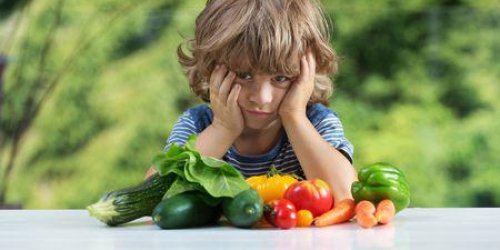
{"x": 277, "y": 74}
{"x": 246, "y": 68}
{"x": 292, "y": 74}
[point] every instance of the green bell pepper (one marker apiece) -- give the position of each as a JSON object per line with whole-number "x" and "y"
{"x": 381, "y": 181}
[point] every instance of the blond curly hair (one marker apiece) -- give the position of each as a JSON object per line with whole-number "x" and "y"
{"x": 259, "y": 36}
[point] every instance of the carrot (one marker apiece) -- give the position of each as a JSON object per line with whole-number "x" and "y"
{"x": 365, "y": 207}
{"x": 342, "y": 212}
{"x": 366, "y": 220}
{"x": 365, "y": 217}
{"x": 385, "y": 211}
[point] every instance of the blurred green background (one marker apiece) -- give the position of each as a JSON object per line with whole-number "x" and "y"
{"x": 91, "y": 90}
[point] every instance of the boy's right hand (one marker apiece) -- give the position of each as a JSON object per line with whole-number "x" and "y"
{"x": 224, "y": 101}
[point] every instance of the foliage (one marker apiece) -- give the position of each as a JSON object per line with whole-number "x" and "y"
{"x": 417, "y": 88}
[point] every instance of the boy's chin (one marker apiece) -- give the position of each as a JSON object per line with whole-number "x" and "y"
{"x": 255, "y": 126}
{"x": 258, "y": 126}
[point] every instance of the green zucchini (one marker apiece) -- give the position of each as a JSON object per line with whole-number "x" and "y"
{"x": 124, "y": 205}
{"x": 184, "y": 210}
{"x": 245, "y": 209}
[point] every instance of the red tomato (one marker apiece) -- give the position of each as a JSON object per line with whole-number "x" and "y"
{"x": 281, "y": 213}
{"x": 313, "y": 195}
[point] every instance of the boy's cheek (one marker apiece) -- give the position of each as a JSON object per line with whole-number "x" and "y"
{"x": 240, "y": 101}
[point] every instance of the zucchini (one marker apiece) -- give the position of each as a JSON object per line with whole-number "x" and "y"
{"x": 188, "y": 209}
{"x": 124, "y": 205}
{"x": 245, "y": 209}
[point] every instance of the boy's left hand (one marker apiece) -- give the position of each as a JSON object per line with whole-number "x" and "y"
{"x": 296, "y": 99}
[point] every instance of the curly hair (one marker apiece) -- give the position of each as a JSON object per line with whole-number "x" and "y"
{"x": 259, "y": 36}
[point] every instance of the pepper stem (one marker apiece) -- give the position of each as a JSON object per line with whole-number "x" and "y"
{"x": 273, "y": 171}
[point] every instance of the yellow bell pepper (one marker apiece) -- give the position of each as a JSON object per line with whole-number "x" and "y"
{"x": 271, "y": 186}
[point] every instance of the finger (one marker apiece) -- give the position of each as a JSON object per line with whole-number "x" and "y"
{"x": 216, "y": 77}
{"x": 213, "y": 75}
{"x": 312, "y": 64}
{"x": 304, "y": 69}
{"x": 232, "y": 99}
{"x": 226, "y": 86}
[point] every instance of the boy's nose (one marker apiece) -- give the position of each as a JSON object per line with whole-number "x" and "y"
{"x": 262, "y": 94}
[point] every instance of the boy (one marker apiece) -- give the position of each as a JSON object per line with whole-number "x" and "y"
{"x": 263, "y": 66}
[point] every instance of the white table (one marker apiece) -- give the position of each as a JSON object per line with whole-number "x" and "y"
{"x": 437, "y": 228}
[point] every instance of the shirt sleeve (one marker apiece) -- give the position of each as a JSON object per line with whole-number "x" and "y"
{"x": 330, "y": 128}
{"x": 183, "y": 128}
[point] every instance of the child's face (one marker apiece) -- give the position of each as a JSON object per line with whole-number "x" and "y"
{"x": 263, "y": 93}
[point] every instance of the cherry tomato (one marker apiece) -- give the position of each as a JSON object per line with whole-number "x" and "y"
{"x": 304, "y": 218}
{"x": 281, "y": 213}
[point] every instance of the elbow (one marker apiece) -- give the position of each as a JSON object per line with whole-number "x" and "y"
{"x": 340, "y": 195}
{"x": 342, "y": 190}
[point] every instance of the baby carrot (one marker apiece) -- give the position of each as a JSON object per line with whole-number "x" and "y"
{"x": 342, "y": 212}
{"x": 365, "y": 217}
{"x": 385, "y": 211}
{"x": 365, "y": 207}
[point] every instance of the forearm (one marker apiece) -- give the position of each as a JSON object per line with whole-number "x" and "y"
{"x": 318, "y": 158}
{"x": 214, "y": 142}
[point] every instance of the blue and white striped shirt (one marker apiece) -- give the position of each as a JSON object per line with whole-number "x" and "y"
{"x": 282, "y": 156}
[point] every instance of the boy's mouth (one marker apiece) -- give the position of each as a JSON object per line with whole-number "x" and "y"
{"x": 258, "y": 113}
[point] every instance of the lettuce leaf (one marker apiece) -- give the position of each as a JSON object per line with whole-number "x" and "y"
{"x": 197, "y": 172}
{"x": 180, "y": 185}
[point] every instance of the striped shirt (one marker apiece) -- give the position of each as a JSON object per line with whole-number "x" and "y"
{"x": 282, "y": 156}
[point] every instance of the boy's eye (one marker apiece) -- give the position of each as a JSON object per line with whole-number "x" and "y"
{"x": 282, "y": 79}
{"x": 244, "y": 75}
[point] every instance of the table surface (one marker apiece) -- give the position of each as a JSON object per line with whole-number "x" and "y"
{"x": 414, "y": 228}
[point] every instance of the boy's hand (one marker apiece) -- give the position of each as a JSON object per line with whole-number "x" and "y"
{"x": 224, "y": 101}
{"x": 151, "y": 171}
{"x": 295, "y": 101}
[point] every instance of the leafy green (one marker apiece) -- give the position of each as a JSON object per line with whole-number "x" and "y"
{"x": 197, "y": 172}
{"x": 218, "y": 177}
{"x": 180, "y": 185}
